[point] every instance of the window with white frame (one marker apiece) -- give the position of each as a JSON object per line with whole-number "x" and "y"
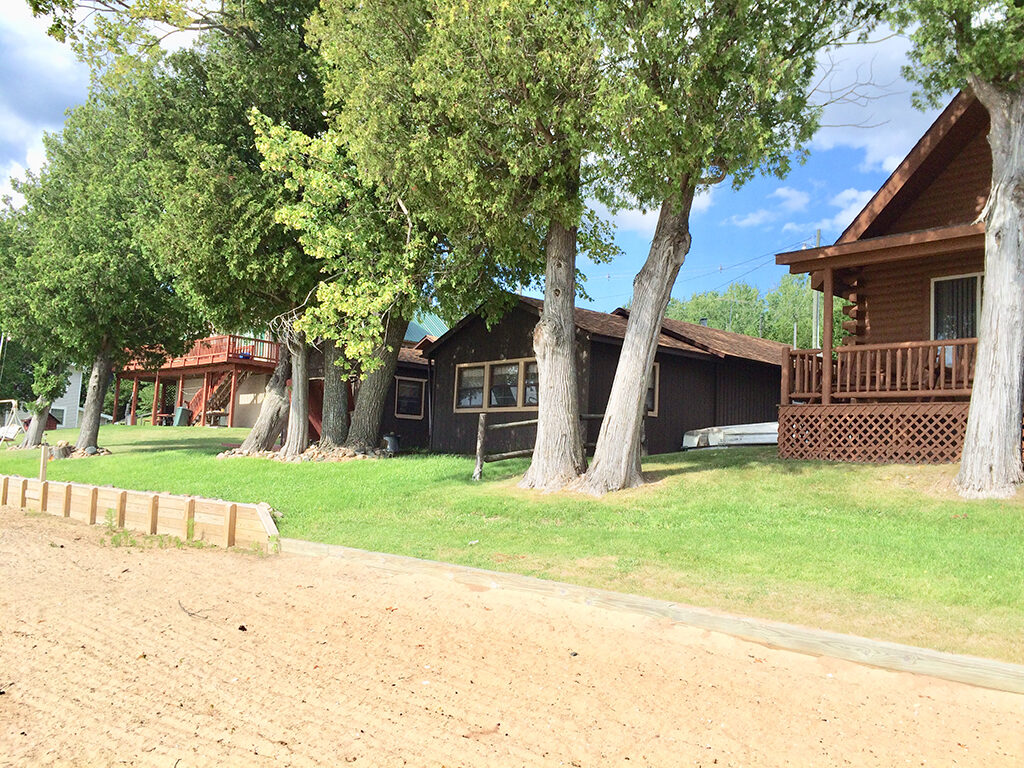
{"x": 956, "y": 306}
{"x": 409, "y": 398}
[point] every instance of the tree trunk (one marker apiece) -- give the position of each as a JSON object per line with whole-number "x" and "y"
{"x": 36, "y": 427}
{"x": 991, "y": 465}
{"x": 616, "y": 463}
{"x": 558, "y": 457}
{"x": 335, "y": 412}
{"x": 297, "y": 438}
{"x": 372, "y": 398}
{"x": 273, "y": 410}
{"x": 88, "y": 437}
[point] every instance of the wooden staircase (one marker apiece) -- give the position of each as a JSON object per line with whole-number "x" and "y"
{"x": 216, "y": 396}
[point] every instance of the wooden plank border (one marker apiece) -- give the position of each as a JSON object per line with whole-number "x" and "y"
{"x": 258, "y": 530}
{"x": 972, "y": 670}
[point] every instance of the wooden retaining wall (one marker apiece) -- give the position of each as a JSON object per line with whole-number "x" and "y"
{"x": 224, "y": 523}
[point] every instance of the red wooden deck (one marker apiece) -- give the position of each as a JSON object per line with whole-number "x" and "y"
{"x": 221, "y": 350}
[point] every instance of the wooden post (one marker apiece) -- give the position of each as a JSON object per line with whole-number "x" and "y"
{"x": 135, "y": 400}
{"x": 154, "y": 511}
{"x": 229, "y": 525}
{"x": 44, "y": 457}
{"x": 65, "y": 506}
{"x": 787, "y": 362}
{"x": 231, "y": 402}
{"x": 190, "y": 516}
{"x": 481, "y": 433}
{"x": 44, "y": 492}
{"x": 205, "y": 397}
{"x": 122, "y": 500}
{"x": 94, "y": 493}
{"x": 180, "y": 399}
{"x": 156, "y": 398}
{"x": 4, "y": 484}
{"x": 826, "y": 337}
{"x": 117, "y": 396}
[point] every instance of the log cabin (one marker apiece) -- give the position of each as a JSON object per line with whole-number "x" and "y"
{"x": 701, "y": 377}
{"x": 911, "y": 266}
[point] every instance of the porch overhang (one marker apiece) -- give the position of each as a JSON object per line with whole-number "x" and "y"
{"x": 959, "y": 238}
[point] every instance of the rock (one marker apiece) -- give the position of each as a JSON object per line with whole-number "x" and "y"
{"x": 91, "y": 450}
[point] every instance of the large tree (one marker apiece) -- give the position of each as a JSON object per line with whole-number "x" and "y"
{"x": 713, "y": 89}
{"x": 216, "y": 236}
{"x": 481, "y": 119}
{"x": 93, "y": 283}
{"x": 978, "y": 46}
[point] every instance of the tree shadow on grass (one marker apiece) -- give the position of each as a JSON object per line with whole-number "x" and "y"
{"x": 694, "y": 461}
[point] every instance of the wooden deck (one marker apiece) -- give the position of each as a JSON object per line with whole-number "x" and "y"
{"x": 910, "y": 371}
{"x": 221, "y": 350}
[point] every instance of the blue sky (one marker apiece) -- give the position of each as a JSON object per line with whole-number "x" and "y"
{"x": 735, "y": 232}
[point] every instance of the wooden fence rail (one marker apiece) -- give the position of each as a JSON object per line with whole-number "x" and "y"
{"x": 483, "y": 428}
{"x": 190, "y": 518}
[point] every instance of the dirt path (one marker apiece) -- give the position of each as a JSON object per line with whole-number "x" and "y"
{"x": 342, "y": 664}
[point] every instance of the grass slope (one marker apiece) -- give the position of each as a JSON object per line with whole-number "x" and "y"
{"x": 887, "y": 552}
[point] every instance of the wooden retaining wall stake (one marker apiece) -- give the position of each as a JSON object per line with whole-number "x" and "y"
{"x": 44, "y": 490}
{"x": 481, "y": 434}
{"x": 122, "y": 503}
{"x": 23, "y": 492}
{"x": 190, "y": 516}
{"x": 94, "y": 494}
{"x": 154, "y": 512}
{"x": 229, "y": 525}
{"x": 44, "y": 456}
{"x": 65, "y": 506}
{"x": 3, "y": 489}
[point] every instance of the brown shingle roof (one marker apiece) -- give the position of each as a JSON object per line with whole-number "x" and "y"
{"x": 412, "y": 355}
{"x": 614, "y": 327}
{"x": 727, "y": 343}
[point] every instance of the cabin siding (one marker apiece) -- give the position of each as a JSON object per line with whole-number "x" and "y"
{"x": 510, "y": 338}
{"x": 412, "y": 433}
{"x": 956, "y": 195}
{"x": 896, "y": 297}
{"x": 746, "y": 392}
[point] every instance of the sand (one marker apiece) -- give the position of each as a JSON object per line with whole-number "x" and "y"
{"x": 187, "y": 657}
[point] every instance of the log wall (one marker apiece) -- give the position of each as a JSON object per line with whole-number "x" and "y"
{"x": 214, "y": 521}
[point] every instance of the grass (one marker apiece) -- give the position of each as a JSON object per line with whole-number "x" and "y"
{"x": 886, "y": 552}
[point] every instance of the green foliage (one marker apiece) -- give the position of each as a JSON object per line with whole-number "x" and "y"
{"x": 92, "y": 287}
{"x": 698, "y": 90}
{"x": 479, "y": 117}
{"x": 957, "y": 40}
{"x": 15, "y": 371}
{"x": 216, "y": 235}
{"x": 741, "y": 308}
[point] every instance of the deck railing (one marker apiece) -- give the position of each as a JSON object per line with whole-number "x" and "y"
{"x": 906, "y": 370}
{"x": 224, "y": 349}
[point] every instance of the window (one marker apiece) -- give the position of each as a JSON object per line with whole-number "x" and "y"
{"x": 653, "y": 390}
{"x": 469, "y": 387}
{"x": 409, "y": 398}
{"x": 504, "y": 389}
{"x": 58, "y": 414}
{"x": 530, "y": 386}
{"x": 496, "y": 385}
{"x": 956, "y": 304}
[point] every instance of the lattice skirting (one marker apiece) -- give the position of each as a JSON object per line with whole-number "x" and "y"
{"x": 905, "y": 433}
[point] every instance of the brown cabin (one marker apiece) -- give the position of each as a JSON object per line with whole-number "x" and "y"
{"x": 702, "y": 377}
{"x": 911, "y": 264}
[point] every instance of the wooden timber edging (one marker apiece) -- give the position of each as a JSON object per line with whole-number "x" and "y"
{"x": 190, "y": 518}
{"x": 972, "y": 670}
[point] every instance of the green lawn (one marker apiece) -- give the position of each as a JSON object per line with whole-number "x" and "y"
{"x": 886, "y": 552}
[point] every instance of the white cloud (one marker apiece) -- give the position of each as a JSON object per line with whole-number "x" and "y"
{"x": 753, "y": 219}
{"x": 792, "y": 199}
{"x": 879, "y": 118}
{"x": 703, "y": 201}
{"x": 11, "y": 170}
{"x": 850, "y": 202}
